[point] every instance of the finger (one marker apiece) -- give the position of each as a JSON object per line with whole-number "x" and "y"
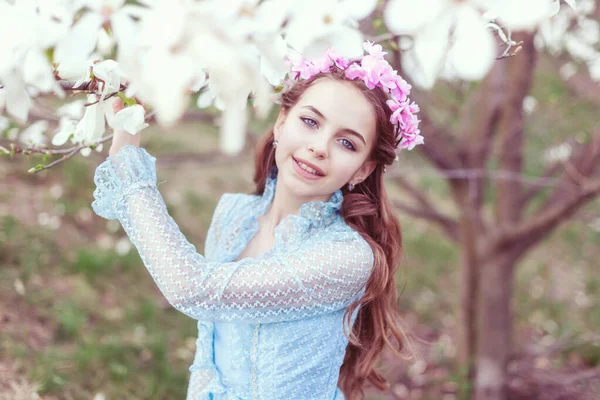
{"x": 117, "y": 104}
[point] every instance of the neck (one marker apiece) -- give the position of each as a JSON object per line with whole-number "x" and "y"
{"x": 284, "y": 203}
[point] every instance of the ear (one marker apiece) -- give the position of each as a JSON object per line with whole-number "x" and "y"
{"x": 279, "y": 123}
{"x": 363, "y": 172}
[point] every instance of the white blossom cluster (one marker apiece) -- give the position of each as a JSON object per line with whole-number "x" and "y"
{"x": 162, "y": 52}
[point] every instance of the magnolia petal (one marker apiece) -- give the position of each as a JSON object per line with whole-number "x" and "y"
{"x": 65, "y": 130}
{"x": 169, "y": 97}
{"x": 347, "y": 42}
{"x": 407, "y": 17}
{"x": 130, "y": 119}
{"x": 426, "y": 59}
{"x": 271, "y": 14}
{"x": 72, "y": 110}
{"x": 572, "y": 4}
{"x": 594, "y": 68}
{"x": 359, "y": 9}
{"x": 34, "y": 134}
{"x": 471, "y": 33}
{"x": 106, "y": 43}
{"x": 554, "y": 8}
{"x": 17, "y": 99}
{"x": 233, "y": 128}
{"x": 91, "y": 127}
{"x": 109, "y": 72}
{"x": 205, "y": 99}
{"x": 37, "y": 71}
{"x": 125, "y": 32}
{"x": 71, "y": 52}
{"x": 273, "y": 51}
{"x": 523, "y": 15}
{"x": 199, "y": 82}
{"x": 311, "y": 20}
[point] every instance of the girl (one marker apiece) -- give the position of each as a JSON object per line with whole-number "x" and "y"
{"x": 289, "y": 270}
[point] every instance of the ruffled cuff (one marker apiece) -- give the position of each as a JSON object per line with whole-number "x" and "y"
{"x": 120, "y": 175}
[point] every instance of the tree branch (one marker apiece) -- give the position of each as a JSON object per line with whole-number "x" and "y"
{"x": 530, "y": 232}
{"x": 448, "y": 224}
{"x": 542, "y": 182}
{"x": 478, "y": 125}
{"x": 518, "y": 80}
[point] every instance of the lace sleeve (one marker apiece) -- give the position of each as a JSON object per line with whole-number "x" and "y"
{"x": 214, "y": 230}
{"x": 324, "y": 275}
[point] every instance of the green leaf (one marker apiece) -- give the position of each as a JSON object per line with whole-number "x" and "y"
{"x": 127, "y": 101}
{"x": 36, "y": 168}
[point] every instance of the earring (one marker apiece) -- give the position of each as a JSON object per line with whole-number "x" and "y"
{"x": 275, "y": 143}
{"x": 351, "y": 186}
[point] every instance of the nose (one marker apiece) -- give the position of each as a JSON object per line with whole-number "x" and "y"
{"x": 318, "y": 147}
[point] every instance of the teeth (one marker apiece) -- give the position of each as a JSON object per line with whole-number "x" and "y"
{"x": 307, "y": 168}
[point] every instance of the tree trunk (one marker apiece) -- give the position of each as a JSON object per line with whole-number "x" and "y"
{"x": 469, "y": 281}
{"x": 494, "y": 326}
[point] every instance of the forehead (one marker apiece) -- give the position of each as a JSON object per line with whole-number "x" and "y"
{"x": 343, "y": 105}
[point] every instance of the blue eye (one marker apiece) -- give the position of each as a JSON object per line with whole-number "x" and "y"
{"x": 350, "y": 145}
{"x": 311, "y": 123}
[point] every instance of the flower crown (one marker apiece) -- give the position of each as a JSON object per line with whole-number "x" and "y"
{"x": 375, "y": 71}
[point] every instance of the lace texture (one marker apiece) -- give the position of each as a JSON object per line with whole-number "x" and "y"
{"x": 278, "y": 316}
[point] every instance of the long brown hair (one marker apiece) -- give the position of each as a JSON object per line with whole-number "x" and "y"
{"x": 367, "y": 210}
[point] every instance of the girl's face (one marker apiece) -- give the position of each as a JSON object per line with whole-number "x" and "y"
{"x": 332, "y": 129}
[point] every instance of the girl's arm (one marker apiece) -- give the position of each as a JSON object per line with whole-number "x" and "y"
{"x": 323, "y": 276}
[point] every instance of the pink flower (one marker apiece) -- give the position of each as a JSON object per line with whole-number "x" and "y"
{"x": 410, "y": 143}
{"x": 393, "y": 105}
{"x": 341, "y": 62}
{"x": 324, "y": 64}
{"x": 374, "y": 49}
{"x": 378, "y": 72}
{"x": 401, "y": 89}
{"x": 355, "y": 71}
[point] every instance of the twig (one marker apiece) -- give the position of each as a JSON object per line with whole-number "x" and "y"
{"x": 70, "y": 152}
{"x": 448, "y": 224}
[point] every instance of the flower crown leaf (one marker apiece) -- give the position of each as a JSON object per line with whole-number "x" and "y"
{"x": 374, "y": 71}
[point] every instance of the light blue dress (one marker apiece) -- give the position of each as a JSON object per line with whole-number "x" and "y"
{"x": 269, "y": 327}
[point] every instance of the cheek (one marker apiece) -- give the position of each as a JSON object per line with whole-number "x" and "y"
{"x": 291, "y": 135}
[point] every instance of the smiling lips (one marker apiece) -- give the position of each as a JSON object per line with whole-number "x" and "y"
{"x": 307, "y": 169}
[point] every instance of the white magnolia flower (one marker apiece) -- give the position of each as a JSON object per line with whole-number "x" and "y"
{"x": 315, "y": 25}
{"x": 73, "y": 110}
{"x": 530, "y": 104}
{"x": 110, "y": 74}
{"x": 86, "y": 151}
{"x": 91, "y": 127}
{"x": 16, "y": 99}
{"x": 130, "y": 119}
{"x": 65, "y": 129}
{"x": 233, "y": 125}
{"x": 445, "y": 36}
{"x": 407, "y": 17}
{"x": 34, "y": 134}
{"x": 4, "y": 123}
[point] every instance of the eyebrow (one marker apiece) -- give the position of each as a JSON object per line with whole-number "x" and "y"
{"x": 320, "y": 114}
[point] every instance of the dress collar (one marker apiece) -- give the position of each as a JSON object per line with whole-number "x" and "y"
{"x": 317, "y": 212}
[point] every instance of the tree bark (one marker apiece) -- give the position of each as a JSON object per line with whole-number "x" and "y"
{"x": 469, "y": 280}
{"x": 495, "y": 326}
